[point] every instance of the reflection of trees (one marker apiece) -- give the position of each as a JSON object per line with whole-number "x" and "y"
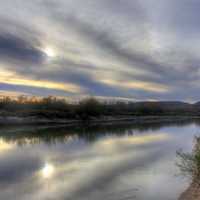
{"x": 51, "y": 135}
{"x": 189, "y": 164}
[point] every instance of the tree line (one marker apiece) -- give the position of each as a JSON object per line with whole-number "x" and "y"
{"x": 52, "y": 107}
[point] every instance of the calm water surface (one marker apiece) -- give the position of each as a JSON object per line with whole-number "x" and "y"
{"x": 111, "y": 163}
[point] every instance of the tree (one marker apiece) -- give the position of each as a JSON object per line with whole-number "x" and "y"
{"x": 88, "y": 108}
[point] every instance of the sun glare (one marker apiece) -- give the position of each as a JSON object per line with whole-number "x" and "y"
{"x": 47, "y": 171}
{"x": 50, "y": 52}
{"x": 5, "y": 145}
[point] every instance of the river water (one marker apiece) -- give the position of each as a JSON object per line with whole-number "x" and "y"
{"x": 123, "y": 162}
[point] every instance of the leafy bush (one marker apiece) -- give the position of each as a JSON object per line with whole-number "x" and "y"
{"x": 189, "y": 163}
{"x": 89, "y": 108}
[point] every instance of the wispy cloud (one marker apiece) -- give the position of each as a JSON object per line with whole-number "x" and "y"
{"x": 14, "y": 79}
{"x": 138, "y": 85}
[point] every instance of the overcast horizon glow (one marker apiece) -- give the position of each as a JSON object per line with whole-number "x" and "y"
{"x": 122, "y": 49}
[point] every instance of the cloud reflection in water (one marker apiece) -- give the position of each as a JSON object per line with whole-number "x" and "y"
{"x": 111, "y": 167}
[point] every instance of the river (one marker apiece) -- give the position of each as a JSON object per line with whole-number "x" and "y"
{"x": 118, "y": 162}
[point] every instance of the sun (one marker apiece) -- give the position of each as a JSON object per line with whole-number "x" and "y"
{"x": 50, "y": 52}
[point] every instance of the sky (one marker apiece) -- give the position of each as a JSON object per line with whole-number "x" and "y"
{"x": 114, "y": 49}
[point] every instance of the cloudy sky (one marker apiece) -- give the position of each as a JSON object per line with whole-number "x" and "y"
{"x": 131, "y": 49}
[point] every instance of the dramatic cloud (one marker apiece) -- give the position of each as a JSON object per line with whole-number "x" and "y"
{"x": 12, "y": 47}
{"x": 106, "y": 48}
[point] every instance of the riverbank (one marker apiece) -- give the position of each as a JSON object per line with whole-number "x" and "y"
{"x": 103, "y": 120}
{"x": 192, "y": 193}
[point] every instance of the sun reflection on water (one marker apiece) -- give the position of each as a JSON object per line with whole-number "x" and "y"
{"x": 47, "y": 171}
{"x": 4, "y": 146}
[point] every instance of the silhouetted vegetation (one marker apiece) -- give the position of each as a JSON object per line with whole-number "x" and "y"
{"x": 189, "y": 163}
{"x": 90, "y": 108}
